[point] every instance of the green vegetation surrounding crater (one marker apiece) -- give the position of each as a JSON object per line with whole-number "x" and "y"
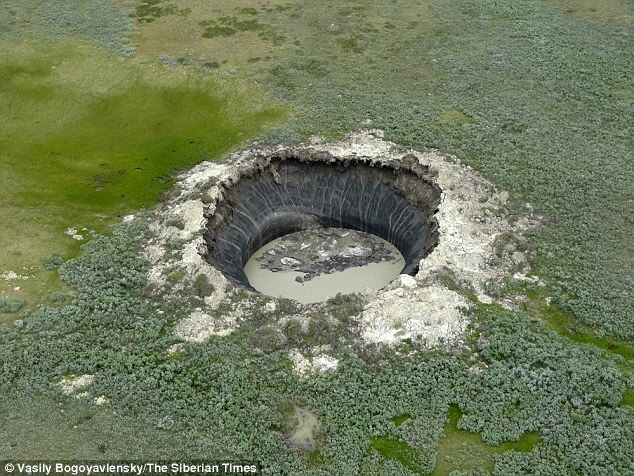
{"x": 224, "y": 398}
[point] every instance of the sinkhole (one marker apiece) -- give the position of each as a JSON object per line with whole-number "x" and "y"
{"x": 307, "y": 225}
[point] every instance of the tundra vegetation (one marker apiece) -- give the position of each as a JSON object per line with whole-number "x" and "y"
{"x": 103, "y": 100}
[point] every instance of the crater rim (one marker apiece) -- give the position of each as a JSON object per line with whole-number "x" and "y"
{"x": 401, "y": 208}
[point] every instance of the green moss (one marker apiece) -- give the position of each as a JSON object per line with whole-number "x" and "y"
{"x": 350, "y": 44}
{"x": 121, "y": 150}
{"x": 230, "y": 25}
{"x": 316, "y": 458}
{"x": 150, "y": 10}
{"x": 461, "y": 450}
{"x": 454, "y": 116}
{"x": 86, "y": 138}
{"x": 628, "y": 397}
{"x": 390, "y": 448}
{"x": 275, "y": 37}
{"x": 399, "y": 420}
{"x": 213, "y": 30}
{"x": 176, "y": 277}
{"x": 203, "y": 287}
{"x": 247, "y": 11}
{"x": 566, "y": 324}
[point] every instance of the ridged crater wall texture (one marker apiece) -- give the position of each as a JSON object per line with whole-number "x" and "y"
{"x": 290, "y": 192}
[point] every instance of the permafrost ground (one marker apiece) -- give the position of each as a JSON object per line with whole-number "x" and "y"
{"x": 427, "y": 307}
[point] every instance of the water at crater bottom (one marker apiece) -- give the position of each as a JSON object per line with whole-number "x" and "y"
{"x": 354, "y": 279}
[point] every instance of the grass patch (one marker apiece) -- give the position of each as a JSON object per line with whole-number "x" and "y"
{"x": 86, "y": 138}
{"x": 203, "y": 287}
{"x": 399, "y": 420}
{"x": 566, "y": 324}
{"x": 53, "y": 261}
{"x": 454, "y": 116}
{"x": 150, "y": 10}
{"x": 350, "y": 44}
{"x": 390, "y": 448}
{"x": 461, "y": 450}
{"x": 230, "y": 25}
{"x": 628, "y": 397}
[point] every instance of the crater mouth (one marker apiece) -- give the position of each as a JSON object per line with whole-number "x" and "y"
{"x": 449, "y": 224}
{"x": 292, "y": 191}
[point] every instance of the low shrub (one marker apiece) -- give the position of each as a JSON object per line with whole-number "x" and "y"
{"x": 10, "y": 304}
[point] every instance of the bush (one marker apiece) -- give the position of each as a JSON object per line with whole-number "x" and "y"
{"x": 203, "y": 287}
{"x": 53, "y": 261}
{"x": 10, "y": 304}
{"x": 267, "y": 338}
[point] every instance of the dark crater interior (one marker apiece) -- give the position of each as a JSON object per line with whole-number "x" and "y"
{"x": 304, "y": 190}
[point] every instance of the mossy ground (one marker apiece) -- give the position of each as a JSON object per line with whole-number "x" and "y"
{"x": 457, "y": 450}
{"x": 460, "y": 450}
{"x": 87, "y": 137}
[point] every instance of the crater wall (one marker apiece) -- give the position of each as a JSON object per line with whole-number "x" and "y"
{"x": 287, "y": 193}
